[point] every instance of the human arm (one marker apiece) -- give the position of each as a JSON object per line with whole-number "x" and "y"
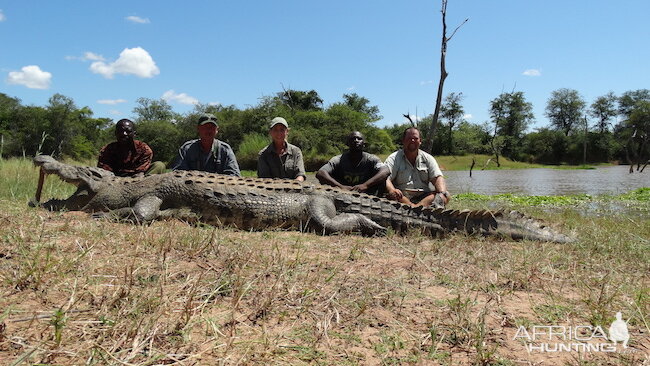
{"x": 441, "y": 188}
{"x": 392, "y": 192}
{"x": 263, "y": 167}
{"x": 300, "y": 164}
{"x": 104, "y": 159}
{"x": 325, "y": 178}
{"x": 230, "y": 166}
{"x": 437, "y": 179}
{"x": 181, "y": 162}
{"x": 143, "y": 158}
{"x": 324, "y": 174}
{"x": 378, "y": 178}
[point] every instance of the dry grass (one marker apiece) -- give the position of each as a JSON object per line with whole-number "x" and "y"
{"x": 79, "y": 291}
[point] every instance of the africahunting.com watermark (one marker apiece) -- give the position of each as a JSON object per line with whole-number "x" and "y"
{"x": 578, "y": 338}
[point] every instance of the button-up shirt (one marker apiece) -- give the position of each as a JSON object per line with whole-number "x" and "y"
{"x": 288, "y": 165}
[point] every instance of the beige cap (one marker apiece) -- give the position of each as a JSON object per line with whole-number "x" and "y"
{"x": 279, "y": 120}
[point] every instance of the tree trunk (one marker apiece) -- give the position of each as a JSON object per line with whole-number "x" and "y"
{"x": 428, "y": 143}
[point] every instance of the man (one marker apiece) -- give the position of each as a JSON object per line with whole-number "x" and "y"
{"x": 207, "y": 153}
{"x": 355, "y": 170}
{"x": 411, "y": 171}
{"x": 128, "y": 157}
{"x": 280, "y": 159}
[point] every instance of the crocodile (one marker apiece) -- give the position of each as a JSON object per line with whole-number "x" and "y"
{"x": 262, "y": 203}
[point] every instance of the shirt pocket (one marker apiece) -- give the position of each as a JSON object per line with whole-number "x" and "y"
{"x": 423, "y": 174}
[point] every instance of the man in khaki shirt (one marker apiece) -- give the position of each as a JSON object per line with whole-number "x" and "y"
{"x": 412, "y": 171}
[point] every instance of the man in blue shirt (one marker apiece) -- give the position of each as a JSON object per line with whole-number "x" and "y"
{"x": 207, "y": 153}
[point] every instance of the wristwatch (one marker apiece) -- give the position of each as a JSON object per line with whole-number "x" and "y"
{"x": 446, "y": 194}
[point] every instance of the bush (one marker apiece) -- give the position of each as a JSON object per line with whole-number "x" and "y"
{"x": 249, "y": 149}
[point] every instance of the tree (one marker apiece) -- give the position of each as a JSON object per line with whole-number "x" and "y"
{"x": 301, "y": 100}
{"x": 61, "y": 127}
{"x": 147, "y": 109}
{"x": 565, "y": 108}
{"x": 639, "y": 122}
{"x": 546, "y": 146}
{"x": 603, "y": 109}
{"x": 452, "y": 111}
{"x": 428, "y": 142}
{"x": 511, "y": 115}
{"x": 627, "y": 103}
{"x": 361, "y": 104}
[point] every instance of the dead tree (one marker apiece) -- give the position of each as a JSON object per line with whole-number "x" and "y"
{"x": 408, "y": 116}
{"x": 428, "y": 143}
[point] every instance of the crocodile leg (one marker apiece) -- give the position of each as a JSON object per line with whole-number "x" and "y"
{"x": 323, "y": 214}
{"x": 145, "y": 210}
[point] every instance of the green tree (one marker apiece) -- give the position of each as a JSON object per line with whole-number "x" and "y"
{"x": 471, "y": 138}
{"x": 361, "y": 104}
{"x": 565, "y": 109}
{"x": 301, "y": 100}
{"x": 162, "y": 137}
{"x": 546, "y": 146}
{"x": 639, "y": 123}
{"x": 511, "y": 115}
{"x": 627, "y": 103}
{"x": 147, "y": 109}
{"x": 452, "y": 111}
{"x": 603, "y": 109}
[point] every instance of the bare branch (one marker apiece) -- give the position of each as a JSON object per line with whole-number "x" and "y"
{"x": 408, "y": 116}
{"x": 457, "y": 28}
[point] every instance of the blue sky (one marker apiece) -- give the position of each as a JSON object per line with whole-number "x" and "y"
{"x": 105, "y": 55}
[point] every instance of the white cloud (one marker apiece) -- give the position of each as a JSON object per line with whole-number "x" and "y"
{"x": 31, "y": 76}
{"x": 468, "y": 116}
{"x": 88, "y": 56}
{"x": 135, "y": 19}
{"x": 532, "y": 72}
{"x": 92, "y": 56}
{"x": 111, "y": 101}
{"x": 182, "y": 98}
{"x": 426, "y": 82}
{"x": 135, "y": 61}
{"x": 2, "y": 16}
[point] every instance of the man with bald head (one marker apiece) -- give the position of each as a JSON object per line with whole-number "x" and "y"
{"x": 128, "y": 157}
{"x": 355, "y": 170}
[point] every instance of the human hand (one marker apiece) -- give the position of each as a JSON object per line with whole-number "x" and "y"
{"x": 360, "y": 187}
{"x": 395, "y": 195}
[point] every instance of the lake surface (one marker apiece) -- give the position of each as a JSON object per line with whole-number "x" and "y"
{"x": 548, "y": 182}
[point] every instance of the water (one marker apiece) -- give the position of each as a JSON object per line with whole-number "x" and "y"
{"x": 548, "y": 182}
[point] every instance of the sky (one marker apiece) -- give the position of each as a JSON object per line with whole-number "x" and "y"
{"x": 105, "y": 55}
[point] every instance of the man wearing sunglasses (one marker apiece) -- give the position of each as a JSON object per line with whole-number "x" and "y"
{"x": 207, "y": 153}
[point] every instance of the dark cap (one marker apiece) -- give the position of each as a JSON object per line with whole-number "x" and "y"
{"x": 208, "y": 118}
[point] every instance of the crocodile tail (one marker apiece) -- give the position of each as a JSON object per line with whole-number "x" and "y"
{"x": 398, "y": 216}
{"x": 512, "y": 224}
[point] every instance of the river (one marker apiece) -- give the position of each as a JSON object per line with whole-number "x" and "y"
{"x": 548, "y": 182}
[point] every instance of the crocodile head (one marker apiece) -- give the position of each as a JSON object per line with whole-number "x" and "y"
{"x": 89, "y": 180}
